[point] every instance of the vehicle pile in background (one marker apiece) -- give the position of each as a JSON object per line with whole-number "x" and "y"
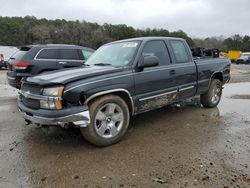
{"x": 200, "y": 53}
{"x": 235, "y": 56}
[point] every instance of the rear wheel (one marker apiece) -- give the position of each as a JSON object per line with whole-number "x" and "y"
{"x": 109, "y": 120}
{"x": 212, "y": 97}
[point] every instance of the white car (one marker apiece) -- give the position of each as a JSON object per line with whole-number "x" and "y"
{"x": 244, "y": 58}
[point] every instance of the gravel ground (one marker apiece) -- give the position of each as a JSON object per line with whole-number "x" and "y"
{"x": 186, "y": 146}
{"x": 240, "y": 73}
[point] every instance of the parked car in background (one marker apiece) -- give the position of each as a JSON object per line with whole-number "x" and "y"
{"x": 244, "y": 58}
{"x": 2, "y": 62}
{"x": 35, "y": 59}
{"x": 5, "y": 53}
{"x": 122, "y": 79}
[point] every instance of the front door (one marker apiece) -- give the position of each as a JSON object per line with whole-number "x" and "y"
{"x": 155, "y": 86}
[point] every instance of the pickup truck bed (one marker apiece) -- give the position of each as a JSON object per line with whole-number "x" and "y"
{"x": 121, "y": 79}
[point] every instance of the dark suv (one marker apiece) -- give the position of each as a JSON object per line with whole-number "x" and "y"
{"x": 36, "y": 59}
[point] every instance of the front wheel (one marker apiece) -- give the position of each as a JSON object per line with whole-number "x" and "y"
{"x": 212, "y": 97}
{"x": 109, "y": 120}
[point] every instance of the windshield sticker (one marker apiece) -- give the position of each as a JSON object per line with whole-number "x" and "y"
{"x": 130, "y": 45}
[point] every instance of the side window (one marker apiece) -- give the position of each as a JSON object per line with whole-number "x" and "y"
{"x": 47, "y": 54}
{"x": 158, "y": 49}
{"x": 86, "y": 54}
{"x": 180, "y": 51}
{"x": 69, "y": 54}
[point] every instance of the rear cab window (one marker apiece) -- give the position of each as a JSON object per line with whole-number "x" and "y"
{"x": 180, "y": 51}
{"x": 47, "y": 54}
{"x": 157, "y": 48}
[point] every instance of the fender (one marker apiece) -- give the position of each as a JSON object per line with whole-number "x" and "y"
{"x": 212, "y": 77}
{"x": 111, "y": 91}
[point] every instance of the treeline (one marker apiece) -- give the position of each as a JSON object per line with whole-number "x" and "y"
{"x": 17, "y": 31}
{"x": 235, "y": 42}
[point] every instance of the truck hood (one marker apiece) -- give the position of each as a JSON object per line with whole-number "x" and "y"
{"x": 73, "y": 74}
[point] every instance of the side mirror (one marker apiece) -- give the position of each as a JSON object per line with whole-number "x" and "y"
{"x": 148, "y": 61}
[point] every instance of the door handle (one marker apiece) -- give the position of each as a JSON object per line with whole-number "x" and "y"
{"x": 172, "y": 72}
{"x": 62, "y": 63}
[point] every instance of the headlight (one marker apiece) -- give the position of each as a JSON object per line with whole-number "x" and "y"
{"x": 52, "y": 92}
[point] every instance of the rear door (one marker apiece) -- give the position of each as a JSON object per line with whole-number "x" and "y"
{"x": 70, "y": 58}
{"x": 185, "y": 69}
{"x": 45, "y": 60}
{"x": 155, "y": 86}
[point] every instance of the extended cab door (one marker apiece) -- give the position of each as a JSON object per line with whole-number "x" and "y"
{"x": 185, "y": 68}
{"x": 155, "y": 86}
{"x": 70, "y": 58}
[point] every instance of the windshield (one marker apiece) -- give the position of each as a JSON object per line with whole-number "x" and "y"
{"x": 116, "y": 54}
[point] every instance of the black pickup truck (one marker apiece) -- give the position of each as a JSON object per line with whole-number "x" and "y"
{"x": 122, "y": 79}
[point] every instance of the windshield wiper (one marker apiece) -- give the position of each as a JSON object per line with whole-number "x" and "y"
{"x": 102, "y": 64}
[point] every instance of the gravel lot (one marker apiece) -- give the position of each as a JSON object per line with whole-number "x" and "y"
{"x": 185, "y": 146}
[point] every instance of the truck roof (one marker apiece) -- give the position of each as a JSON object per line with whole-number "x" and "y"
{"x": 148, "y": 38}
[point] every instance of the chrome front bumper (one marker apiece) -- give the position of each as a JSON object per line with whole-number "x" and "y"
{"x": 78, "y": 115}
{"x": 81, "y": 119}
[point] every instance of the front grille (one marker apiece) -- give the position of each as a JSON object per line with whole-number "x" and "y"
{"x": 33, "y": 89}
{"x": 31, "y": 103}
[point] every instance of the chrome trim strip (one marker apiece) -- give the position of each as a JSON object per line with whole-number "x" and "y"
{"x": 29, "y": 95}
{"x": 111, "y": 91}
{"x": 186, "y": 88}
{"x": 204, "y": 80}
{"x": 97, "y": 81}
{"x": 159, "y": 95}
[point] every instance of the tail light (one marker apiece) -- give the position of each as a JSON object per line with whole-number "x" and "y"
{"x": 21, "y": 65}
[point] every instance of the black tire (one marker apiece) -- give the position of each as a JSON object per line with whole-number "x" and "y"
{"x": 215, "y": 90}
{"x": 91, "y": 132}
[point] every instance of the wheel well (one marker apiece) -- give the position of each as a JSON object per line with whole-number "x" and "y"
{"x": 125, "y": 96}
{"x": 218, "y": 75}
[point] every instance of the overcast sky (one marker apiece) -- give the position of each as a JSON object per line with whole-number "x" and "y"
{"x": 198, "y": 18}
